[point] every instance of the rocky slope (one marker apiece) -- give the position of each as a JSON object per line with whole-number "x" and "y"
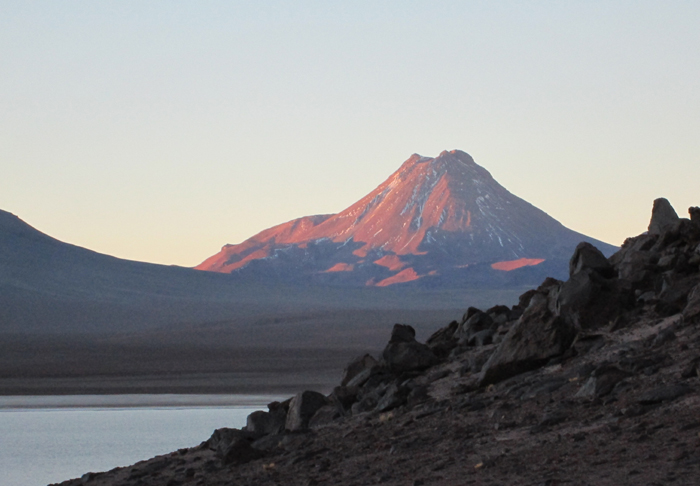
{"x": 444, "y": 220}
{"x": 593, "y": 380}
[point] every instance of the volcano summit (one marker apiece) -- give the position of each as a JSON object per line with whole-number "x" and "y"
{"x": 439, "y": 221}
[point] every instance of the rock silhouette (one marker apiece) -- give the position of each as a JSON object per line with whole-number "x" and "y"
{"x": 593, "y": 380}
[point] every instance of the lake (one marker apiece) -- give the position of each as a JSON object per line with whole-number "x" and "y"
{"x": 51, "y": 439}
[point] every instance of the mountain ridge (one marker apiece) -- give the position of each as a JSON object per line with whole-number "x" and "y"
{"x": 432, "y": 216}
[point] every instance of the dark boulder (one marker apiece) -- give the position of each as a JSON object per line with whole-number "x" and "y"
{"x": 302, "y": 407}
{"x": 662, "y": 216}
{"x": 233, "y": 446}
{"x": 694, "y": 213}
{"x": 264, "y": 423}
{"x": 402, "y": 333}
{"x": 393, "y": 397}
{"x": 404, "y": 353}
{"x": 589, "y": 301}
{"x": 442, "y": 341}
{"x": 479, "y": 321}
{"x": 524, "y": 299}
{"x": 410, "y": 356}
{"x": 344, "y": 396}
{"x": 692, "y": 308}
{"x": 637, "y": 267}
{"x": 666, "y": 393}
{"x": 324, "y": 416}
{"x": 361, "y": 378}
{"x": 470, "y": 312}
{"x": 538, "y": 336}
{"x": 481, "y": 338}
{"x": 692, "y": 369}
{"x": 675, "y": 291}
{"x": 357, "y": 366}
{"x": 602, "y": 382}
{"x": 367, "y": 404}
{"x": 587, "y": 256}
{"x": 500, "y": 314}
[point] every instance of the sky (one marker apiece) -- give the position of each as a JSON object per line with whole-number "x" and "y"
{"x": 160, "y": 131}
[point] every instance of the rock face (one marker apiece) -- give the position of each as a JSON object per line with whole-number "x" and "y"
{"x": 302, "y": 407}
{"x": 442, "y": 221}
{"x": 597, "y": 376}
{"x": 265, "y": 423}
{"x": 404, "y": 353}
{"x": 662, "y": 216}
{"x": 233, "y": 446}
{"x": 538, "y": 336}
{"x": 356, "y": 367}
{"x": 588, "y": 257}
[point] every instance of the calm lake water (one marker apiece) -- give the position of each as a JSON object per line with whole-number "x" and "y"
{"x": 46, "y": 440}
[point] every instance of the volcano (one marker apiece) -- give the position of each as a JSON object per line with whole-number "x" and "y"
{"x": 441, "y": 221}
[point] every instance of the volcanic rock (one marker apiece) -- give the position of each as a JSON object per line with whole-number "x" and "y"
{"x": 662, "y": 216}
{"x": 587, "y": 256}
{"x": 233, "y": 446}
{"x": 694, "y": 213}
{"x": 404, "y": 353}
{"x": 538, "y": 336}
{"x": 358, "y": 365}
{"x": 264, "y": 423}
{"x": 302, "y": 407}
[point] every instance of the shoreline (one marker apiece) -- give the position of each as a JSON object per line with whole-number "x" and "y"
{"x": 232, "y": 383}
{"x": 133, "y": 401}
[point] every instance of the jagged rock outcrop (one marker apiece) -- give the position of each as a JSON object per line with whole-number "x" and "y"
{"x": 404, "y": 353}
{"x": 302, "y": 408}
{"x": 363, "y": 363}
{"x": 538, "y": 336}
{"x": 662, "y": 216}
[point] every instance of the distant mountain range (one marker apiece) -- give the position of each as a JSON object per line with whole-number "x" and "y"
{"x": 435, "y": 222}
{"x": 51, "y": 287}
{"x": 439, "y": 234}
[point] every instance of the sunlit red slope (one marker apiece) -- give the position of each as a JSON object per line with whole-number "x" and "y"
{"x": 431, "y": 216}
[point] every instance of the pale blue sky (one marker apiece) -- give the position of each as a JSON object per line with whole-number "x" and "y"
{"x": 159, "y": 131}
